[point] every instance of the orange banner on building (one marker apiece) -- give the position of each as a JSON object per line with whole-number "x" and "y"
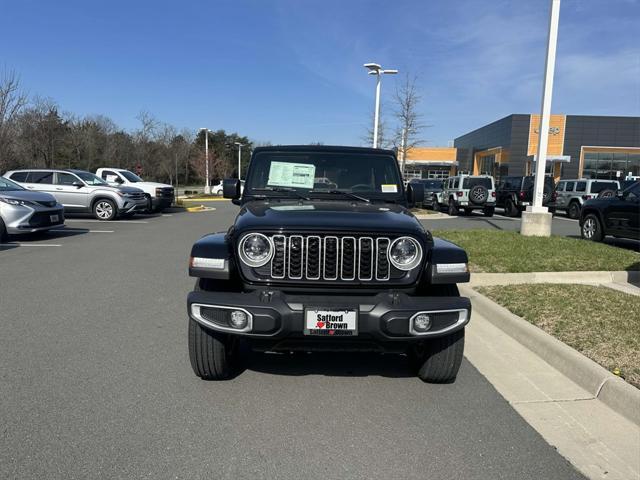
{"x": 556, "y": 134}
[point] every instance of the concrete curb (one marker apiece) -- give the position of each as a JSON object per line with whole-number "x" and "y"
{"x": 603, "y": 385}
{"x": 483, "y": 279}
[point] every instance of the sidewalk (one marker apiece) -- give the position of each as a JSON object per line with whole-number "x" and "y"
{"x": 595, "y": 439}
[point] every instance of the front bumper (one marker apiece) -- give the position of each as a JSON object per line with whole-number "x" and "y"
{"x": 383, "y": 319}
{"x": 133, "y": 205}
{"x": 20, "y": 219}
{"x": 161, "y": 202}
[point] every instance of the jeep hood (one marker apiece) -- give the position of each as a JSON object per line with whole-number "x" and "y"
{"x": 325, "y": 216}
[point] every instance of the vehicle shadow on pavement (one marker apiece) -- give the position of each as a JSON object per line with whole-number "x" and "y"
{"x": 8, "y": 246}
{"x": 332, "y": 364}
{"x": 626, "y": 243}
{"x": 486, "y": 220}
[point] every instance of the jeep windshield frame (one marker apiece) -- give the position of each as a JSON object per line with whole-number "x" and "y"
{"x": 325, "y": 175}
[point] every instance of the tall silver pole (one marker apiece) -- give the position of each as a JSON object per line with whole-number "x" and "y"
{"x": 376, "y": 114}
{"x": 403, "y": 145}
{"x": 207, "y": 187}
{"x": 239, "y": 162}
{"x": 545, "y": 114}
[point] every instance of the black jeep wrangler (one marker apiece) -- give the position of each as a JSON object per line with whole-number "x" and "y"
{"x": 515, "y": 194}
{"x": 325, "y": 256}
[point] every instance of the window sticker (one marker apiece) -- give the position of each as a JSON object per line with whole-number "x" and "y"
{"x": 389, "y": 188}
{"x": 287, "y": 174}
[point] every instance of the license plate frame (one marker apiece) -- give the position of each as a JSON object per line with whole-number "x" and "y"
{"x": 322, "y": 331}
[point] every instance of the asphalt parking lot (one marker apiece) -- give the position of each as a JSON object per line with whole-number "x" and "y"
{"x": 95, "y": 380}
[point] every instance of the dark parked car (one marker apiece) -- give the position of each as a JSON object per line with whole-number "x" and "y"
{"x": 432, "y": 191}
{"x": 312, "y": 265}
{"x": 515, "y": 194}
{"x": 618, "y": 215}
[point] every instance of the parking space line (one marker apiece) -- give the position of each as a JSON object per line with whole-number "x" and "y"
{"x": 22, "y": 244}
{"x": 63, "y": 230}
{"x": 78, "y": 220}
{"x": 566, "y": 219}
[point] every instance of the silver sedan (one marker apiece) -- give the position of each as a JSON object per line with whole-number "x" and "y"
{"x": 23, "y": 211}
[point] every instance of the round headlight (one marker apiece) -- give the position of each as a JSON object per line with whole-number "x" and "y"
{"x": 405, "y": 253}
{"x": 255, "y": 249}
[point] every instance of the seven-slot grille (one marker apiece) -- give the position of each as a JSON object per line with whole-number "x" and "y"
{"x": 330, "y": 257}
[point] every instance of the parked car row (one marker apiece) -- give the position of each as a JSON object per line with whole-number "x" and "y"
{"x": 603, "y": 207}
{"x": 36, "y": 199}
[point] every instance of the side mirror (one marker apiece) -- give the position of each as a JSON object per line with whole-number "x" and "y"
{"x": 77, "y": 184}
{"x": 415, "y": 194}
{"x": 231, "y": 188}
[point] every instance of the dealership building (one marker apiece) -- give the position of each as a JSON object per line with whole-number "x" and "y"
{"x": 579, "y": 146}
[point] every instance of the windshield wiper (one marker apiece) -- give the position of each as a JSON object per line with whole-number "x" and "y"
{"x": 281, "y": 190}
{"x": 348, "y": 194}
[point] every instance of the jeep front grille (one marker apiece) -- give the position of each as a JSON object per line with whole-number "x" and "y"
{"x": 330, "y": 257}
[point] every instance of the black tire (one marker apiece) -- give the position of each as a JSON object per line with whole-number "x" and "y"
{"x": 438, "y": 359}
{"x": 488, "y": 211}
{"x": 213, "y": 355}
{"x": 452, "y": 209}
{"x": 149, "y": 208}
{"x": 592, "y": 228}
{"x": 573, "y": 211}
{"x": 4, "y": 236}
{"x": 105, "y": 209}
{"x": 510, "y": 208}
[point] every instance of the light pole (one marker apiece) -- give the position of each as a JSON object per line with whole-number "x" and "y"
{"x": 207, "y": 186}
{"x": 240, "y": 145}
{"x": 536, "y": 221}
{"x": 378, "y": 71}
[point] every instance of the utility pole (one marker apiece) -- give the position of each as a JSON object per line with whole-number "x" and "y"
{"x": 240, "y": 145}
{"x": 207, "y": 186}
{"x": 536, "y": 221}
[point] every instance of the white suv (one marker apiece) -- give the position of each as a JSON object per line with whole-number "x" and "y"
{"x": 159, "y": 195}
{"x": 469, "y": 192}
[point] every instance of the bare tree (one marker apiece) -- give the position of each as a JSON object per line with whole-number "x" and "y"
{"x": 409, "y": 120}
{"x": 12, "y": 102}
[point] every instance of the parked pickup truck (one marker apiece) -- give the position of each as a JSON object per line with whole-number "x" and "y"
{"x": 159, "y": 195}
{"x": 317, "y": 265}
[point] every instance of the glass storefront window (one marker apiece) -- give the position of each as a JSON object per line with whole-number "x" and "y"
{"x": 604, "y": 166}
{"x": 633, "y": 165}
{"x": 619, "y": 166}
{"x": 590, "y": 164}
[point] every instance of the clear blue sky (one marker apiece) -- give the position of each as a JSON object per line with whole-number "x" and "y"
{"x": 291, "y": 71}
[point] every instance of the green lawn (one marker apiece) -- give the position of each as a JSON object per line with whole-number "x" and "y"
{"x": 509, "y": 252}
{"x": 599, "y": 322}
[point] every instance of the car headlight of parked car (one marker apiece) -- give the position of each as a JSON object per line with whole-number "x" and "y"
{"x": 405, "y": 253}
{"x": 255, "y": 249}
{"x": 17, "y": 201}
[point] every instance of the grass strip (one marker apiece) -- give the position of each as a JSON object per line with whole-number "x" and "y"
{"x": 601, "y": 323}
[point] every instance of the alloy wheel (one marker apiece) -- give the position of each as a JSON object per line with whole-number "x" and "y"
{"x": 589, "y": 228}
{"x": 104, "y": 210}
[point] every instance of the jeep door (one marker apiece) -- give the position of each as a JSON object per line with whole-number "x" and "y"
{"x": 71, "y": 191}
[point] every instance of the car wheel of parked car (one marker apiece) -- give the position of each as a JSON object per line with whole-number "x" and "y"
{"x": 438, "y": 359}
{"x": 434, "y": 203}
{"x": 591, "y": 228}
{"x": 452, "y": 210}
{"x": 574, "y": 210}
{"x": 3, "y": 232}
{"x": 105, "y": 210}
{"x": 488, "y": 211}
{"x": 510, "y": 209}
{"x": 213, "y": 355}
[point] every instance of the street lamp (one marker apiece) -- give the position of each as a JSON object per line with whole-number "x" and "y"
{"x": 207, "y": 186}
{"x": 240, "y": 145}
{"x": 536, "y": 220}
{"x": 378, "y": 71}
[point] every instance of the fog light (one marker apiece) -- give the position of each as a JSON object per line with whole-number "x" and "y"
{"x": 421, "y": 322}
{"x": 238, "y": 319}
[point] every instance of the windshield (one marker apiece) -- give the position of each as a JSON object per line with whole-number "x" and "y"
{"x": 132, "y": 177}
{"x": 7, "y": 185}
{"x": 325, "y": 173}
{"x": 90, "y": 178}
{"x": 472, "y": 182}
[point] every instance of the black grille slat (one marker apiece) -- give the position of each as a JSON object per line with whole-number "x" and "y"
{"x": 382, "y": 259}
{"x": 348, "y": 259}
{"x": 296, "y": 254}
{"x": 279, "y": 256}
{"x": 331, "y": 258}
{"x": 313, "y": 258}
{"x": 365, "y": 262}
